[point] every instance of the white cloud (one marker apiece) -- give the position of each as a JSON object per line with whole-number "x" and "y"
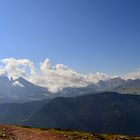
{"x": 53, "y": 77}
{"x": 132, "y": 75}
{"x": 97, "y": 76}
{"x": 16, "y": 67}
{"x": 57, "y": 77}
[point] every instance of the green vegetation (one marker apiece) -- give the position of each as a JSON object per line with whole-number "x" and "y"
{"x": 79, "y": 135}
{"x": 12, "y": 133}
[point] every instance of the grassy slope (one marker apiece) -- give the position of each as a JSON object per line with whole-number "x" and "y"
{"x": 77, "y": 135}
{"x": 6, "y": 134}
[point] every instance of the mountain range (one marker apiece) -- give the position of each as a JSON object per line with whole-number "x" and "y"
{"x": 111, "y": 85}
{"x": 110, "y": 106}
{"x": 21, "y": 90}
{"x": 107, "y": 112}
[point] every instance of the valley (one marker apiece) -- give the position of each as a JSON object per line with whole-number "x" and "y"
{"x": 107, "y": 112}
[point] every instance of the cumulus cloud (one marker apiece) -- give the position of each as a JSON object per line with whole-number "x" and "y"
{"x": 54, "y": 77}
{"x": 16, "y": 67}
{"x": 57, "y": 77}
{"x": 97, "y": 76}
{"x": 132, "y": 75}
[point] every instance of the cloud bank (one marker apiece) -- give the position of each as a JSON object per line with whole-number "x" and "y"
{"x": 53, "y": 77}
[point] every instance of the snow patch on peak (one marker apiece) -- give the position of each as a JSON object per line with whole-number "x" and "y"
{"x": 17, "y": 84}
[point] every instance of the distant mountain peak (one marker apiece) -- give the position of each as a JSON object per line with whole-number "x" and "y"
{"x": 23, "y": 81}
{"x": 20, "y": 89}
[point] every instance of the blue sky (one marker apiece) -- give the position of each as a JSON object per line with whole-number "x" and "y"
{"x": 86, "y": 35}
